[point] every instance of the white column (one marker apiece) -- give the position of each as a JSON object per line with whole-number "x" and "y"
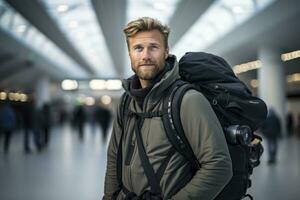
{"x": 42, "y": 91}
{"x": 272, "y": 83}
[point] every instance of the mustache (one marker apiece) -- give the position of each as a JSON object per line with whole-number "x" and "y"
{"x": 147, "y": 63}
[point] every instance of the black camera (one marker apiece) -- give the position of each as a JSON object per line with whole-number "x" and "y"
{"x": 239, "y": 134}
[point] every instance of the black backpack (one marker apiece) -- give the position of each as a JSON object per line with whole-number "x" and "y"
{"x": 239, "y": 113}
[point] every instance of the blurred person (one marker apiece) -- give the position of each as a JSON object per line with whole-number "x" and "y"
{"x": 31, "y": 129}
{"x": 8, "y": 123}
{"x": 298, "y": 126}
{"x": 290, "y": 124}
{"x": 79, "y": 120}
{"x": 155, "y": 71}
{"x": 271, "y": 129}
{"x": 62, "y": 116}
{"x": 103, "y": 117}
{"x": 45, "y": 124}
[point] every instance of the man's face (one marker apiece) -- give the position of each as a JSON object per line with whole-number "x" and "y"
{"x": 147, "y": 53}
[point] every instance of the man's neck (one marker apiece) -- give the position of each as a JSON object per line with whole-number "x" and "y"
{"x": 145, "y": 83}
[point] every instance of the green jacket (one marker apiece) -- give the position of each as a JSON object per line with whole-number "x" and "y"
{"x": 203, "y": 131}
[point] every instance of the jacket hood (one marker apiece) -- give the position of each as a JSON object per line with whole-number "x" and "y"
{"x": 159, "y": 88}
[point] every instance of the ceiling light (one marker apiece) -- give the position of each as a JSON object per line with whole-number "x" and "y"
{"x": 21, "y": 28}
{"x": 290, "y": 56}
{"x": 114, "y": 84}
{"x": 238, "y": 9}
{"x": 11, "y": 96}
{"x": 89, "y": 101}
{"x": 17, "y": 96}
{"x": 97, "y": 84}
{"x": 62, "y": 8}
{"x": 3, "y": 95}
{"x": 73, "y": 24}
{"x": 106, "y": 100}
{"x": 246, "y": 66}
{"x": 23, "y": 97}
{"x": 69, "y": 84}
{"x": 293, "y": 78}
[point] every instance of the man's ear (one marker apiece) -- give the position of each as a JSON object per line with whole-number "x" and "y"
{"x": 167, "y": 53}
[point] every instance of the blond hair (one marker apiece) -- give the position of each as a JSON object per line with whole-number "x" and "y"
{"x": 146, "y": 24}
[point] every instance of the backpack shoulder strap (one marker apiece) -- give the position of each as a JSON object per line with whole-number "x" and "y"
{"x": 121, "y": 115}
{"x": 123, "y": 108}
{"x": 172, "y": 121}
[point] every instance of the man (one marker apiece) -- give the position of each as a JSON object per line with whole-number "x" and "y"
{"x": 155, "y": 71}
{"x": 271, "y": 129}
{"x": 103, "y": 117}
{"x": 45, "y": 124}
{"x": 8, "y": 122}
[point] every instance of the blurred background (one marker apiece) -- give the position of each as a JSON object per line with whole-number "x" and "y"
{"x": 61, "y": 66}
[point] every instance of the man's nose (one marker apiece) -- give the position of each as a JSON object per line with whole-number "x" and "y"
{"x": 146, "y": 55}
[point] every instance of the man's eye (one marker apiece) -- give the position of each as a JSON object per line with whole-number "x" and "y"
{"x": 138, "y": 48}
{"x": 154, "y": 47}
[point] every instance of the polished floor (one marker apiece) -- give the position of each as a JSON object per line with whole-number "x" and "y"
{"x": 74, "y": 169}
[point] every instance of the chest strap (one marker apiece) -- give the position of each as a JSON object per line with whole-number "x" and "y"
{"x": 147, "y": 114}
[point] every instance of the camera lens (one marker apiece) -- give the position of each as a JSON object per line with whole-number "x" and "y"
{"x": 238, "y": 134}
{"x": 244, "y": 135}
